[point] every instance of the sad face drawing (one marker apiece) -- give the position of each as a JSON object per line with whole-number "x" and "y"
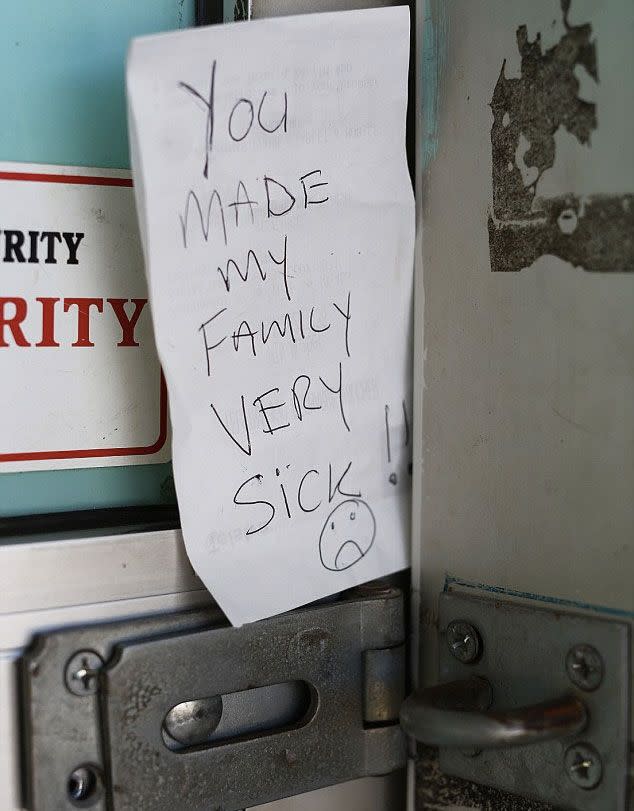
{"x": 347, "y": 535}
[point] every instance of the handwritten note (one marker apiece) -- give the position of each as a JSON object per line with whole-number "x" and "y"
{"x": 277, "y": 219}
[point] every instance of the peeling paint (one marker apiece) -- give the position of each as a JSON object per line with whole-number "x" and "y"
{"x": 434, "y": 56}
{"x": 594, "y": 232}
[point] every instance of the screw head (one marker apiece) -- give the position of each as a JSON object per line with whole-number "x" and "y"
{"x": 583, "y": 765}
{"x": 84, "y": 784}
{"x": 584, "y": 667}
{"x": 463, "y": 641}
{"x": 81, "y": 672}
{"x": 191, "y": 722}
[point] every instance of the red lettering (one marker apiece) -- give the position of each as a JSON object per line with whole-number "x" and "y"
{"x": 13, "y": 322}
{"x": 48, "y": 322}
{"x": 14, "y": 311}
{"x": 127, "y": 324}
{"x": 83, "y": 317}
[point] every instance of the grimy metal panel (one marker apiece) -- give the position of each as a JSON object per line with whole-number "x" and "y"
{"x": 527, "y": 445}
{"x": 524, "y": 457}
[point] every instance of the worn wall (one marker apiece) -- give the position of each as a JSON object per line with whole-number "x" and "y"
{"x": 528, "y": 407}
{"x": 525, "y": 300}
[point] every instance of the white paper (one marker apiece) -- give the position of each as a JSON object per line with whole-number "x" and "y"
{"x": 290, "y": 385}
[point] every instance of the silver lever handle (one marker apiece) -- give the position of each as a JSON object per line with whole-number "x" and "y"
{"x": 455, "y": 714}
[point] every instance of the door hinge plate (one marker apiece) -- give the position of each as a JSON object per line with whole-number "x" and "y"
{"x": 531, "y": 654}
{"x": 96, "y": 700}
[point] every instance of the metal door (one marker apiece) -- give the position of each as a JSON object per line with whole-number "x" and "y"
{"x": 524, "y": 460}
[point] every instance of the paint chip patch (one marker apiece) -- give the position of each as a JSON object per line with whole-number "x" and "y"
{"x": 589, "y": 232}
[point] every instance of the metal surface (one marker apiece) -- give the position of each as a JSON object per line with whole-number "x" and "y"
{"x": 441, "y": 792}
{"x": 524, "y": 660}
{"x": 88, "y": 569}
{"x": 383, "y": 684}
{"x": 193, "y": 722}
{"x": 61, "y": 731}
{"x": 583, "y": 765}
{"x": 82, "y": 671}
{"x": 454, "y": 715}
{"x": 246, "y": 712}
{"x": 84, "y": 785}
{"x": 156, "y": 665}
{"x": 463, "y": 641}
{"x": 322, "y": 646}
{"x": 584, "y": 667}
{"x": 381, "y": 587}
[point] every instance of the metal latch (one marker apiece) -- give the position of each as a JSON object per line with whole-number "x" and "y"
{"x": 533, "y": 701}
{"x": 183, "y": 711}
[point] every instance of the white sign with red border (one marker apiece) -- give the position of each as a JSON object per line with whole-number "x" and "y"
{"x": 81, "y": 381}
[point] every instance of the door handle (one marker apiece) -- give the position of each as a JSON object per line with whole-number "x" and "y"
{"x": 456, "y": 714}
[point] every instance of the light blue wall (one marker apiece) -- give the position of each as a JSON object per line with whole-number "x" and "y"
{"x": 63, "y": 101}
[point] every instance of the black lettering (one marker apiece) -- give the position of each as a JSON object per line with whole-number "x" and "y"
{"x": 251, "y": 530}
{"x": 13, "y": 241}
{"x": 304, "y": 404}
{"x": 406, "y": 421}
{"x": 264, "y": 409}
{"x": 270, "y": 211}
{"x": 247, "y": 130}
{"x": 33, "y": 235}
{"x": 299, "y": 493}
{"x": 283, "y": 120}
{"x": 205, "y": 223}
{"x": 237, "y": 336}
{"x": 312, "y": 326}
{"x": 283, "y": 263}
{"x": 225, "y": 276}
{"x": 209, "y": 104}
{"x": 209, "y": 348}
{"x": 339, "y": 392}
{"x": 231, "y": 263}
{"x": 387, "y": 433}
{"x": 246, "y": 450}
{"x": 346, "y": 315}
{"x": 307, "y": 201}
{"x": 287, "y": 325}
{"x": 50, "y": 237}
{"x": 288, "y": 509}
{"x": 242, "y": 189}
{"x": 72, "y": 243}
{"x": 332, "y": 493}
